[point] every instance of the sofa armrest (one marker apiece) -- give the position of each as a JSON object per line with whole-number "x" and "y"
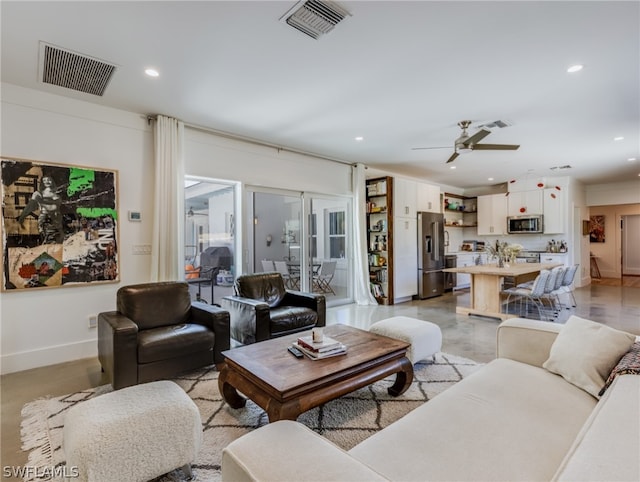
{"x": 118, "y": 348}
{"x": 250, "y": 319}
{"x": 287, "y": 450}
{"x": 526, "y": 341}
{"x": 313, "y": 301}
{"x": 218, "y": 320}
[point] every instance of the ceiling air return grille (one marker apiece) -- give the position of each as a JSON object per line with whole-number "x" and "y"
{"x": 74, "y": 71}
{"x": 315, "y": 18}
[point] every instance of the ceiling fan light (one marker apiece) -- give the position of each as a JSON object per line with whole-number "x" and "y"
{"x": 464, "y": 150}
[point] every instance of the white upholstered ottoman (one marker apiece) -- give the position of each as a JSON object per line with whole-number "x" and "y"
{"x": 133, "y": 434}
{"x": 425, "y": 337}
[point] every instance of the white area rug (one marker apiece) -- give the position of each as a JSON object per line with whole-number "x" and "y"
{"x": 345, "y": 421}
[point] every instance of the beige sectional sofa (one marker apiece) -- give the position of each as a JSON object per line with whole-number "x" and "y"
{"x": 512, "y": 420}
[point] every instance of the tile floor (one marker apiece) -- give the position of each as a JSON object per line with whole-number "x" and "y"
{"x": 471, "y": 337}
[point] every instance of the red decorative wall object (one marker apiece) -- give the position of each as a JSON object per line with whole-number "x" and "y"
{"x": 523, "y": 210}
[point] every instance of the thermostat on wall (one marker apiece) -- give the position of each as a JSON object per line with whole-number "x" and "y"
{"x": 135, "y": 216}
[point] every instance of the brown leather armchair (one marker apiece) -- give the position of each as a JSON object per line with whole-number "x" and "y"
{"x": 157, "y": 332}
{"x": 262, "y": 308}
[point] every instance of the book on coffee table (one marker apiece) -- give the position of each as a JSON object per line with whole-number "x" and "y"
{"x": 314, "y": 355}
{"x": 327, "y": 344}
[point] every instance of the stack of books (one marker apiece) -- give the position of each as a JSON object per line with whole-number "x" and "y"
{"x": 315, "y": 350}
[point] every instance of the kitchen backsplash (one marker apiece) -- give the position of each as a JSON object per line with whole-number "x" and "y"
{"x": 530, "y": 242}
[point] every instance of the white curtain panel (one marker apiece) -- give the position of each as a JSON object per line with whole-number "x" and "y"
{"x": 362, "y": 294}
{"x": 167, "y": 253}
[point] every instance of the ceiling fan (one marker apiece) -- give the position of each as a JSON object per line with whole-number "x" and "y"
{"x": 466, "y": 143}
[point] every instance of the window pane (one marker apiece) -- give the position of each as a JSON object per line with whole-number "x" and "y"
{"x": 336, "y": 223}
{"x": 337, "y": 247}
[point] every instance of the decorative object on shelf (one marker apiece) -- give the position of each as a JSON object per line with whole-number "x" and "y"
{"x": 503, "y": 252}
{"x": 60, "y": 225}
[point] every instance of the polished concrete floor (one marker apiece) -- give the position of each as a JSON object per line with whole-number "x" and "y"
{"x": 470, "y": 337}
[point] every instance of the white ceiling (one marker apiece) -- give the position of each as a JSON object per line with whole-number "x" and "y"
{"x": 400, "y": 74}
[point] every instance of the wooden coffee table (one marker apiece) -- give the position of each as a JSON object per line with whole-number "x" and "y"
{"x": 286, "y": 386}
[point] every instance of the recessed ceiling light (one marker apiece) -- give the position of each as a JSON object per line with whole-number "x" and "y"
{"x": 359, "y": 138}
{"x": 631, "y": 159}
{"x": 575, "y": 68}
{"x": 490, "y": 179}
{"x": 152, "y": 72}
{"x": 619, "y": 138}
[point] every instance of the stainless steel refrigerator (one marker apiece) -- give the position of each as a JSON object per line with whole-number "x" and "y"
{"x": 431, "y": 258}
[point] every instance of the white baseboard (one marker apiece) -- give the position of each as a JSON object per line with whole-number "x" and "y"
{"x": 17, "y": 362}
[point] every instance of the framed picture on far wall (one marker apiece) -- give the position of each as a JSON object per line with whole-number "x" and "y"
{"x": 59, "y": 225}
{"x": 596, "y": 229}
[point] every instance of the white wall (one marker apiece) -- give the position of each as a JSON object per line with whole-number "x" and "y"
{"x": 613, "y": 193}
{"x": 46, "y": 326}
{"x": 209, "y": 155}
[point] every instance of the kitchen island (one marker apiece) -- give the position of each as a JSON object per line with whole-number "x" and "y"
{"x": 486, "y": 285}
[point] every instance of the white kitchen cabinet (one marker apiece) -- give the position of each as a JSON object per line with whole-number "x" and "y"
{"x": 554, "y": 210}
{"x": 521, "y": 203}
{"x": 405, "y": 258}
{"x": 428, "y": 198}
{"x": 555, "y": 258}
{"x": 492, "y": 214}
{"x": 404, "y": 198}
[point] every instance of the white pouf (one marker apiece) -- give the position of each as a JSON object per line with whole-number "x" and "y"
{"x": 134, "y": 434}
{"x": 425, "y": 337}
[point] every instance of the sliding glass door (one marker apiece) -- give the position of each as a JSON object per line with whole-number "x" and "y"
{"x": 209, "y": 238}
{"x": 274, "y": 232}
{"x": 306, "y": 237}
{"x": 331, "y": 256}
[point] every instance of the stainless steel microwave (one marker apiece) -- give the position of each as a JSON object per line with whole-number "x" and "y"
{"x": 524, "y": 224}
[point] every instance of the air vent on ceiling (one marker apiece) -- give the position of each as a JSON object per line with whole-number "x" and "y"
{"x": 74, "y": 71}
{"x": 315, "y": 18}
{"x": 500, "y": 124}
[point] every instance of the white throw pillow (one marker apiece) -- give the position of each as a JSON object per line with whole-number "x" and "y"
{"x": 585, "y": 352}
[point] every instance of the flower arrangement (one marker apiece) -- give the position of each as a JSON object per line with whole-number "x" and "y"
{"x": 503, "y": 252}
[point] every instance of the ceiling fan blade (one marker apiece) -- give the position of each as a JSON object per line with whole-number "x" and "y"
{"x": 422, "y": 148}
{"x": 477, "y": 137}
{"x": 495, "y": 147}
{"x": 453, "y": 157}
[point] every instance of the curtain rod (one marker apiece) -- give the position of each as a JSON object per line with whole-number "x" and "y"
{"x": 257, "y": 142}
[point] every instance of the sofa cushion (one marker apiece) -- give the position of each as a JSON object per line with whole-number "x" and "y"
{"x": 585, "y": 352}
{"x": 268, "y": 287}
{"x": 287, "y": 318}
{"x": 173, "y": 342}
{"x": 507, "y": 421}
{"x": 608, "y": 445}
{"x": 258, "y": 456}
{"x": 151, "y": 305}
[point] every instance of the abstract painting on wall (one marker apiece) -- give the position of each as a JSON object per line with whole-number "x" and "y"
{"x": 59, "y": 225}
{"x": 596, "y": 229}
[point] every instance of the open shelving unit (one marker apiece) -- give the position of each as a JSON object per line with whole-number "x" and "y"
{"x": 460, "y": 211}
{"x": 380, "y": 238}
